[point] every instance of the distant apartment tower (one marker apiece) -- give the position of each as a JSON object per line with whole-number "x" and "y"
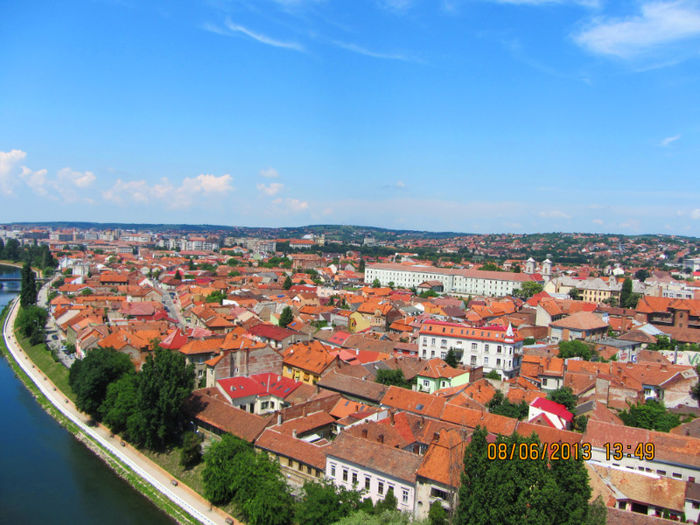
{"x": 463, "y": 282}
{"x": 496, "y": 348}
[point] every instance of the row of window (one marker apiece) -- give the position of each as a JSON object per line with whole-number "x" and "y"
{"x": 475, "y": 346}
{"x": 352, "y": 477}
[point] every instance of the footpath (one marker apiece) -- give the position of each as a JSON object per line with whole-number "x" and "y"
{"x": 180, "y": 494}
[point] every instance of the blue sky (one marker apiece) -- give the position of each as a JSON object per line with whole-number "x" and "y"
{"x": 462, "y": 115}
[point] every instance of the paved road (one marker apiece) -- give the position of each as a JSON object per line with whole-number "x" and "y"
{"x": 181, "y": 494}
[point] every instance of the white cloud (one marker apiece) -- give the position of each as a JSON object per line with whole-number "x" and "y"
{"x": 400, "y": 184}
{"x": 659, "y": 23}
{"x": 8, "y": 161}
{"x": 296, "y": 205}
{"x": 258, "y": 37}
{"x": 597, "y": 221}
{"x": 269, "y": 173}
{"x": 270, "y": 189}
{"x": 695, "y": 214}
{"x": 77, "y": 178}
{"x": 554, "y": 214}
{"x": 190, "y": 191}
{"x": 669, "y": 140}
{"x": 36, "y": 180}
{"x": 373, "y": 54}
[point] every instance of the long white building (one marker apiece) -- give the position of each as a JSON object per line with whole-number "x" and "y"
{"x": 465, "y": 282}
{"x": 493, "y": 347}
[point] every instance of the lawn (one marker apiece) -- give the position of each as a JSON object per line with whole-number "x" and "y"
{"x": 170, "y": 461}
{"x": 43, "y": 359}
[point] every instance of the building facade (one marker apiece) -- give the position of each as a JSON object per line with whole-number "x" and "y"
{"x": 462, "y": 282}
{"x": 493, "y": 347}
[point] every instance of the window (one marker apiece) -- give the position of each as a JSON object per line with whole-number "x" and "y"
{"x": 380, "y": 487}
{"x": 437, "y": 493}
{"x": 498, "y": 362}
{"x": 486, "y": 360}
{"x": 354, "y": 478}
{"x": 544, "y": 381}
{"x": 486, "y": 347}
{"x": 264, "y": 405}
{"x": 345, "y": 474}
{"x": 404, "y": 496}
{"x": 332, "y": 469}
{"x": 473, "y": 346}
{"x": 499, "y": 349}
{"x": 677, "y": 475}
{"x": 367, "y": 482}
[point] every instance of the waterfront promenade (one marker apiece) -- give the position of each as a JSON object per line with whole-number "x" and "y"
{"x": 180, "y": 494}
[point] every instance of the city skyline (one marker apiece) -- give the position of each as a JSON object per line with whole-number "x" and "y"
{"x": 488, "y": 116}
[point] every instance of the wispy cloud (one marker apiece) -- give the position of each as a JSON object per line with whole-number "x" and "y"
{"x": 270, "y": 189}
{"x": 230, "y": 28}
{"x": 269, "y": 173}
{"x": 554, "y": 214}
{"x": 660, "y": 23}
{"x": 354, "y": 48}
{"x": 669, "y": 140}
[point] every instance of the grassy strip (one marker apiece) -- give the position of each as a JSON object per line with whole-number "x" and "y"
{"x": 192, "y": 477}
{"x": 160, "y": 500}
{"x": 43, "y": 359}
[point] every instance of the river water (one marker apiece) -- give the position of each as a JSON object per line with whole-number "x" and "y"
{"x": 46, "y": 475}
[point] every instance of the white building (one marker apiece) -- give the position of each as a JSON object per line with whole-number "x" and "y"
{"x": 493, "y": 347}
{"x": 464, "y": 282}
{"x": 373, "y": 469}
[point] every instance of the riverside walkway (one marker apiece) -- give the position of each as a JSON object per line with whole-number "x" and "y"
{"x": 180, "y": 494}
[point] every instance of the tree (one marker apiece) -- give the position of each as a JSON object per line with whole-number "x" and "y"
{"x": 31, "y": 322}
{"x": 520, "y": 490}
{"x": 218, "y": 474}
{"x": 191, "y": 453}
{"x": 642, "y": 274}
{"x": 178, "y": 276}
{"x": 451, "y": 358}
{"x": 575, "y": 294}
{"x": 361, "y": 267}
{"x": 286, "y": 317}
{"x": 11, "y": 251}
{"x": 597, "y": 512}
{"x": 119, "y": 403}
{"x": 528, "y": 289}
{"x": 491, "y": 267}
{"x": 376, "y": 284}
{"x": 493, "y": 374}
{"x": 165, "y": 381}
{"x": 437, "y": 515}
{"x": 324, "y": 503}
{"x": 651, "y": 415}
{"x": 90, "y": 377}
{"x": 564, "y": 396}
{"x": 576, "y": 349}
{"x": 389, "y": 502}
{"x": 392, "y": 377}
{"x": 529, "y": 341}
{"x": 626, "y": 294}
{"x": 287, "y": 283}
{"x": 504, "y": 407}
{"x": 217, "y": 296}
{"x": 28, "y": 291}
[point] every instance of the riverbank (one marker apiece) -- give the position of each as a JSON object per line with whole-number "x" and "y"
{"x": 12, "y": 264}
{"x": 178, "y": 500}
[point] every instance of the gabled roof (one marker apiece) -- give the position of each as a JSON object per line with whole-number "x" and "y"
{"x": 269, "y": 331}
{"x": 581, "y": 321}
{"x": 552, "y": 407}
{"x": 416, "y": 402}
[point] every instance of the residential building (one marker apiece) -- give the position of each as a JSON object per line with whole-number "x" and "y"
{"x": 581, "y": 325}
{"x": 493, "y": 347}
{"x": 455, "y": 281}
{"x": 437, "y": 374}
{"x": 374, "y": 469}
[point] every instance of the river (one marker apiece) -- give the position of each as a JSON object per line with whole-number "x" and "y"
{"x": 46, "y": 475}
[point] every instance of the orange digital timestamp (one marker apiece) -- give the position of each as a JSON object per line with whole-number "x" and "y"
{"x": 537, "y": 451}
{"x": 641, "y": 451}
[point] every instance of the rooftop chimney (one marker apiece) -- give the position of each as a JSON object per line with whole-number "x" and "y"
{"x": 364, "y": 433}
{"x": 380, "y": 438}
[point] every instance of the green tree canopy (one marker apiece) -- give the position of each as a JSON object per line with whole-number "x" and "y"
{"x": 651, "y": 415}
{"x": 324, "y": 503}
{"x": 90, "y": 377}
{"x": 31, "y": 322}
{"x": 286, "y": 317}
{"x": 564, "y": 396}
{"x": 576, "y": 349}
{"x": 120, "y": 402}
{"x": 392, "y": 377}
{"x": 376, "y": 284}
{"x": 191, "y": 453}
{"x": 165, "y": 381}
{"x": 528, "y": 289}
{"x": 287, "y": 283}
{"x": 451, "y": 358}
{"x": 28, "y": 293}
{"x": 502, "y": 406}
